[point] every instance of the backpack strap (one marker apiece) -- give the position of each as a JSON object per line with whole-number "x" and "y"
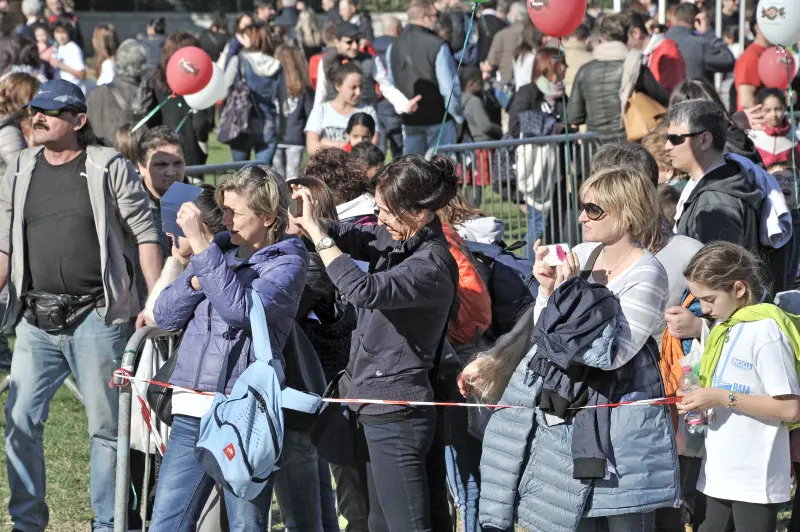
{"x": 123, "y": 104}
{"x": 262, "y": 346}
{"x": 586, "y": 272}
{"x": 300, "y": 401}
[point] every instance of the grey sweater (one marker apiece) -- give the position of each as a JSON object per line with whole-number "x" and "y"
{"x": 480, "y": 125}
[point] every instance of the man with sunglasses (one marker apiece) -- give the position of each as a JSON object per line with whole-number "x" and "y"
{"x": 70, "y": 214}
{"x": 375, "y": 80}
{"x": 719, "y": 202}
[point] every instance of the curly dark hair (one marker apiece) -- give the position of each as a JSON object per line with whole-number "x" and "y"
{"x": 345, "y": 175}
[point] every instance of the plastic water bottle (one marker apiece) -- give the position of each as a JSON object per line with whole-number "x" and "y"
{"x": 695, "y": 421}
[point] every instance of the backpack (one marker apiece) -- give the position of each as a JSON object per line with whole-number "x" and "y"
{"x": 234, "y": 119}
{"x": 509, "y": 279}
{"x": 241, "y": 436}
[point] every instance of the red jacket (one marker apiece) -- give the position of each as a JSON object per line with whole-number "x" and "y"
{"x": 667, "y": 64}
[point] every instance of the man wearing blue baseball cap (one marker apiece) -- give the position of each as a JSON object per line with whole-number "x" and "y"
{"x": 70, "y": 213}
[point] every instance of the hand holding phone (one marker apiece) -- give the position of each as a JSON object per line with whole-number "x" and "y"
{"x": 556, "y": 254}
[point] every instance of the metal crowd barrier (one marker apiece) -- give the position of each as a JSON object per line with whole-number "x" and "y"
{"x": 502, "y": 178}
{"x": 506, "y": 178}
{"x": 133, "y": 351}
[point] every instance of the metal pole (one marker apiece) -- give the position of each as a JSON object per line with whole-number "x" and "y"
{"x": 122, "y": 485}
{"x": 662, "y": 11}
{"x": 718, "y": 29}
{"x": 742, "y": 23}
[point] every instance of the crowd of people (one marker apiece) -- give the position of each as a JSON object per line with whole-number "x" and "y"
{"x": 403, "y": 289}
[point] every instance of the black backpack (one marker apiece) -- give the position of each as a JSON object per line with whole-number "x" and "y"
{"x": 510, "y": 281}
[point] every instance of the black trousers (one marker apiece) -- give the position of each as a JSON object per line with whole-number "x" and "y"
{"x": 397, "y": 476}
{"x": 724, "y": 515}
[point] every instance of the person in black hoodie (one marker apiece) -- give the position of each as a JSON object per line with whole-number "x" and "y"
{"x": 737, "y": 140}
{"x": 214, "y": 39}
{"x": 404, "y": 301}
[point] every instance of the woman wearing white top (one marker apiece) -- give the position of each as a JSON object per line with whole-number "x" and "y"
{"x": 618, "y": 212}
{"x": 105, "y": 41}
{"x": 328, "y": 121}
{"x": 749, "y": 370}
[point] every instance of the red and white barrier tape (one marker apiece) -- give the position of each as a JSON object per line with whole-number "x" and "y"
{"x": 126, "y": 376}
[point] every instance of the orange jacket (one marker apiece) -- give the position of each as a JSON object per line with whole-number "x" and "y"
{"x": 671, "y": 370}
{"x": 475, "y": 310}
{"x": 313, "y": 69}
{"x": 667, "y": 65}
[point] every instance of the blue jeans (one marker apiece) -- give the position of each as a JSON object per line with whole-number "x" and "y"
{"x": 419, "y": 139}
{"x": 244, "y": 144}
{"x": 306, "y": 504}
{"x": 183, "y": 488}
{"x": 91, "y": 351}
{"x": 535, "y": 230}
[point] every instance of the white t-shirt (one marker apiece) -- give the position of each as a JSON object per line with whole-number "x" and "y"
{"x": 72, "y": 56}
{"x": 108, "y": 71}
{"x": 747, "y": 458}
{"x": 329, "y": 124}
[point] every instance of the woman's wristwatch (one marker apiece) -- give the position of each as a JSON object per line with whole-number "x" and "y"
{"x": 324, "y": 243}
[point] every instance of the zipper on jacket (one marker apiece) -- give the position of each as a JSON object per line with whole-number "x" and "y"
{"x": 205, "y": 348}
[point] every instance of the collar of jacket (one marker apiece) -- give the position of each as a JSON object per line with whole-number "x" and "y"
{"x": 779, "y": 131}
{"x": 432, "y": 231}
{"x": 417, "y": 27}
{"x": 287, "y": 245}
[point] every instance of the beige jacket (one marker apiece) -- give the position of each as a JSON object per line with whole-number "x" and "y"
{"x": 577, "y": 55}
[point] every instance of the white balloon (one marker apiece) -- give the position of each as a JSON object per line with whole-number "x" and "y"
{"x": 779, "y": 21}
{"x": 209, "y": 95}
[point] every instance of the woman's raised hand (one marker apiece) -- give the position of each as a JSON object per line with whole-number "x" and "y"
{"x": 548, "y": 276}
{"x": 306, "y": 221}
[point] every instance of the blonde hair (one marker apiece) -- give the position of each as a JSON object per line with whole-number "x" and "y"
{"x": 308, "y": 29}
{"x": 105, "y": 41}
{"x": 17, "y": 90}
{"x": 629, "y": 198}
{"x": 267, "y": 195}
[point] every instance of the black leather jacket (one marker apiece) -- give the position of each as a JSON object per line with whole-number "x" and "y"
{"x": 594, "y": 100}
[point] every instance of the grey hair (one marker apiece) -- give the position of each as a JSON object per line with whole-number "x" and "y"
{"x": 701, "y": 115}
{"x": 131, "y": 59}
{"x": 517, "y": 12}
{"x": 267, "y": 195}
{"x": 31, "y": 7}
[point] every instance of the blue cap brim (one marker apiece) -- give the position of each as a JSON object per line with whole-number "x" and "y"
{"x": 49, "y": 105}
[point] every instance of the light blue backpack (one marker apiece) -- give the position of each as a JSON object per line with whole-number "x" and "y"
{"x": 241, "y": 437}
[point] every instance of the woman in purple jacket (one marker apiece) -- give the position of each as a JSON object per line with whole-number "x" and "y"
{"x": 208, "y": 300}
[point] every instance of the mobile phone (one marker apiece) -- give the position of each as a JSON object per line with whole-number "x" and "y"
{"x": 296, "y": 208}
{"x": 556, "y": 254}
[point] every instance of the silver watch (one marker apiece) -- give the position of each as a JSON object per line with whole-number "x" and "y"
{"x": 325, "y": 243}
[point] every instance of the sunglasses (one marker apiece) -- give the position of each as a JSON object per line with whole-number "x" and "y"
{"x": 593, "y": 211}
{"x": 55, "y": 113}
{"x": 377, "y": 210}
{"x": 678, "y": 138}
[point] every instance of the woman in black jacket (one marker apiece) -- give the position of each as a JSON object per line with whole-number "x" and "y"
{"x": 403, "y": 301}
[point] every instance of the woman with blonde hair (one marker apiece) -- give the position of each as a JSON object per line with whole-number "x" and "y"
{"x": 105, "y": 41}
{"x": 295, "y": 108}
{"x": 254, "y": 253}
{"x": 308, "y": 32}
{"x": 16, "y": 91}
{"x": 621, "y": 220}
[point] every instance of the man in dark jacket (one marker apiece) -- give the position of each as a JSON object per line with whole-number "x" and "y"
{"x": 423, "y": 68}
{"x": 390, "y": 124}
{"x": 704, "y": 53}
{"x": 719, "y": 202}
{"x": 490, "y": 23}
{"x": 595, "y": 99}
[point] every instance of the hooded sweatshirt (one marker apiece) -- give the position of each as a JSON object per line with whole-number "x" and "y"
{"x": 263, "y": 75}
{"x": 724, "y": 205}
{"x": 664, "y": 59}
{"x": 775, "y": 144}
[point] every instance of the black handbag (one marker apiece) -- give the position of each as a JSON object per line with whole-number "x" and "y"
{"x": 57, "y": 312}
{"x": 160, "y": 397}
{"x": 337, "y": 433}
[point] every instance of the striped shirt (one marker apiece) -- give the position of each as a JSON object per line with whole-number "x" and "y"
{"x": 643, "y": 290}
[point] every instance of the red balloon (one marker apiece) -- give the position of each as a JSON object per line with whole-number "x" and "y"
{"x": 189, "y": 70}
{"x": 557, "y": 18}
{"x": 772, "y": 68}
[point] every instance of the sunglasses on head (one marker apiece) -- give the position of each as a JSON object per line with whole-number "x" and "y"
{"x": 677, "y": 139}
{"x": 593, "y": 211}
{"x": 33, "y": 111}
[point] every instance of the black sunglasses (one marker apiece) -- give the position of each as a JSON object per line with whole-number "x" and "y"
{"x": 593, "y": 211}
{"x": 55, "y": 113}
{"x": 677, "y": 139}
